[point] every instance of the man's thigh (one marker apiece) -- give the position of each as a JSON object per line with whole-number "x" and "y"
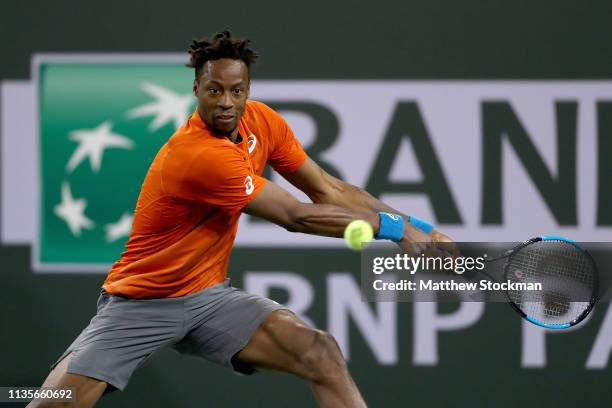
{"x": 121, "y": 336}
{"x": 223, "y": 323}
{"x": 281, "y": 342}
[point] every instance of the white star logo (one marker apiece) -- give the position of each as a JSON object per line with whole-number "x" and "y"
{"x": 168, "y": 106}
{"x": 119, "y": 229}
{"x": 72, "y": 211}
{"x": 92, "y": 143}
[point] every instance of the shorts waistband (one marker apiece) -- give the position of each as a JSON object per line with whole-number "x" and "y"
{"x": 218, "y": 287}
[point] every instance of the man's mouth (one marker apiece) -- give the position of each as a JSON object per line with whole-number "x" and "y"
{"x": 224, "y": 118}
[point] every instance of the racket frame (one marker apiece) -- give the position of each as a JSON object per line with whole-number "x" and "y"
{"x": 510, "y": 253}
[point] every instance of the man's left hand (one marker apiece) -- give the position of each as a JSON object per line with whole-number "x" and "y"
{"x": 447, "y": 244}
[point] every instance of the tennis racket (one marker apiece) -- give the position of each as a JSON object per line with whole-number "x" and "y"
{"x": 568, "y": 275}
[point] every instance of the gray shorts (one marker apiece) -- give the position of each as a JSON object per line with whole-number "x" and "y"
{"x": 215, "y": 323}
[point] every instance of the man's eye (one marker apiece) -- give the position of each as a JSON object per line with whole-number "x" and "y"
{"x": 213, "y": 91}
{"x": 237, "y": 91}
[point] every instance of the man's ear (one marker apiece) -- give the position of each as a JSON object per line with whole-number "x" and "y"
{"x": 248, "y": 90}
{"x": 195, "y": 87}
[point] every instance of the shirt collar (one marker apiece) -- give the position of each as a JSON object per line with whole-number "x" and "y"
{"x": 196, "y": 120}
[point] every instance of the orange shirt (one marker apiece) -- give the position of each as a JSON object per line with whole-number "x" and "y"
{"x": 187, "y": 212}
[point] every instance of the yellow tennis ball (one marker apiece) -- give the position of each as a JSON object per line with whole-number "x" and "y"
{"x": 357, "y": 234}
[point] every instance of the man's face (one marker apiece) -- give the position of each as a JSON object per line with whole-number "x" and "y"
{"x": 222, "y": 91}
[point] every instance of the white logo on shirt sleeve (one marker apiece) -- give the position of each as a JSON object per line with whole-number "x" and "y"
{"x": 248, "y": 185}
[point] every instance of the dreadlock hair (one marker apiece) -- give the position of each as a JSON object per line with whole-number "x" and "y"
{"x": 221, "y": 45}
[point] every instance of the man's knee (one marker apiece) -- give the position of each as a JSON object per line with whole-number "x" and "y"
{"x": 323, "y": 359}
{"x": 87, "y": 390}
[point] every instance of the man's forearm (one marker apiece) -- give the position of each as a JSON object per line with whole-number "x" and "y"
{"x": 328, "y": 219}
{"x": 357, "y": 199}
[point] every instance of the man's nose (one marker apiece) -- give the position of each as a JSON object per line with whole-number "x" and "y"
{"x": 225, "y": 101}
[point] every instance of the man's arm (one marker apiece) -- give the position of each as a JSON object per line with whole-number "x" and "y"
{"x": 277, "y": 205}
{"x": 322, "y": 188}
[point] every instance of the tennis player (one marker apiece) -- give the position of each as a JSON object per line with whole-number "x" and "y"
{"x": 170, "y": 286}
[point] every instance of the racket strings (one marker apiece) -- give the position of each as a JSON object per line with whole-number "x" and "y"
{"x": 566, "y": 273}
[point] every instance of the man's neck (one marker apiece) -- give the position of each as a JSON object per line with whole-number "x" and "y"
{"x": 235, "y": 139}
{"x": 234, "y": 135}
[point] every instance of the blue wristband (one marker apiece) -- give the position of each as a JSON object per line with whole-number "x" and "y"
{"x": 421, "y": 224}
{"x": 391, "y": 227}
